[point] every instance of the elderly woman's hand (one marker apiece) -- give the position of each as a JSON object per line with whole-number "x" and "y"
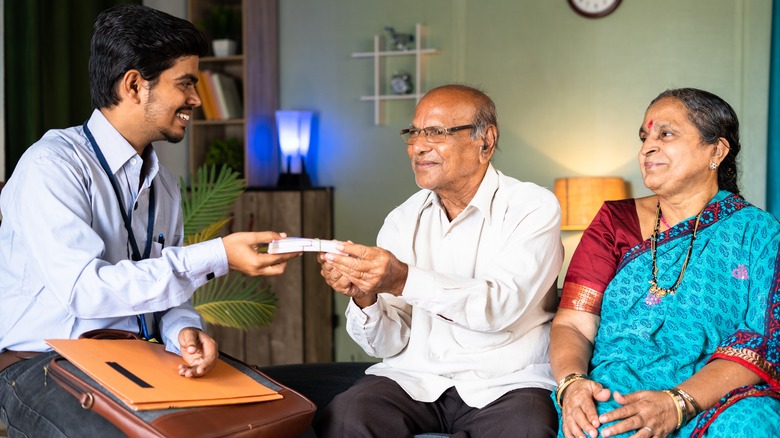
{"x": 579, "y": 409}
{"x": 649, "y": 413}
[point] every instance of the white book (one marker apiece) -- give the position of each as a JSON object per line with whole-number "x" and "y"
{"x": 228, "y": 97}
{"x": 301, "y": 244}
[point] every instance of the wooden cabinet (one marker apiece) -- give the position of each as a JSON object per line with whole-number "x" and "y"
{"x": 302, "y": 329}
{"x": 256, "y": 68}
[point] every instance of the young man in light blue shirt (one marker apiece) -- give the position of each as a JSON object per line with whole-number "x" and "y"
{"x": 82, "y": 212}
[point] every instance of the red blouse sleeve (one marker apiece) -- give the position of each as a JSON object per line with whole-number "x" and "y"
{"x": 613, "y": 231}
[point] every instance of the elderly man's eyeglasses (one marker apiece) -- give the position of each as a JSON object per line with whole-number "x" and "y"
{"x": 433, "y": 134}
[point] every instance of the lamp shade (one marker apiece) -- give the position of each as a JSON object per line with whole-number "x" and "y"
{"x": 294, "y": 135}
{"x": 581, "y": 198}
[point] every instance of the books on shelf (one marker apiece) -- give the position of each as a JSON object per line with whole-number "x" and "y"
{"x": 220, "y": 96}
{"x": 206, "y": 99}
{"x": 227, "y": 95}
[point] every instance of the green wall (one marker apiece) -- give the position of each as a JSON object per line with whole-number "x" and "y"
{"x": 570, "y": 92}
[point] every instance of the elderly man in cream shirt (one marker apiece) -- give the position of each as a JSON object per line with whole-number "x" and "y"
{"x": 458, "y": 296}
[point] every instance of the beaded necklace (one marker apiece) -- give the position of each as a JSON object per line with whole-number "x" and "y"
{"x": 659, "y": 292}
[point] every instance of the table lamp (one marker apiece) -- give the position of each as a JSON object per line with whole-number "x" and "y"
{"x": 581, "y": 198}
{"x": 294, "y": 129}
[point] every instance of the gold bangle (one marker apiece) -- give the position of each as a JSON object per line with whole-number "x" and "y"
{"x": 679, "y": 403}
{"x": 689, "y": 399}
{"x": 564, "y": 383}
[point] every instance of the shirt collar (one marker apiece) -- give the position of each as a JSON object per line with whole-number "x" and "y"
{"x": 117, "y": 150}
{"x": 483, "y": 199}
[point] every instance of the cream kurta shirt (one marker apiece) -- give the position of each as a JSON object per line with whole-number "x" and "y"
{"x": 481, "y": 291}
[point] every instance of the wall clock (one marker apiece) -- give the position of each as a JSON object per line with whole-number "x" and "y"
{"x": 594, "y": 8}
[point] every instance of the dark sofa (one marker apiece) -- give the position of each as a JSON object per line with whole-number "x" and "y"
{"x": 320, "y": 382}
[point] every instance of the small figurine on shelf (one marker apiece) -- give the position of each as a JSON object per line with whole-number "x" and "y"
{"x": 401, "y": 83}
{"x": 399, "y": 41}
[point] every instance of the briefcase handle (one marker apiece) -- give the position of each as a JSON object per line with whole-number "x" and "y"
{"x": 110, "y": 334}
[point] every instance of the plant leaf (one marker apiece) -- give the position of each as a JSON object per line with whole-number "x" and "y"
{"x": 210, "y": 197}
{"x": 207, "y": 233}
{"x": 235, "y": 301}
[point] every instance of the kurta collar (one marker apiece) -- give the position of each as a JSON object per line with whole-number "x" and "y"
{"x": 481, "y": 200}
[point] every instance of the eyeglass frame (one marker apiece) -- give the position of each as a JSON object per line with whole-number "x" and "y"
{"x": 447, "y": 131}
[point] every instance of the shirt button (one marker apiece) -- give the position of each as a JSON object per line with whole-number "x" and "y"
{"x": 133, "y": 161}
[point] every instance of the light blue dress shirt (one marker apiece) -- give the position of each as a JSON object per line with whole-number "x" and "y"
{"x": 65, "y": 260}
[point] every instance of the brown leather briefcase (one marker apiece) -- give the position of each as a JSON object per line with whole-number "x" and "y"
{"x": 289, "y": 416}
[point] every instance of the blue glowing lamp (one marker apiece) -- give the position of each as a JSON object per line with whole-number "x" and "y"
{"x": 294, "y": 135}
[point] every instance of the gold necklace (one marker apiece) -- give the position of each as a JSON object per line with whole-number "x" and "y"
{"x": 655, "y": 290}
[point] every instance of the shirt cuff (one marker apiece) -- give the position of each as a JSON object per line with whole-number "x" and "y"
{"x": 206, "y": 260}
{"x": 365, "y": 315}
{"x": 419, "y": 284}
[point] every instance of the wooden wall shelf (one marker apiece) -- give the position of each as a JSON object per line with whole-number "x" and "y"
{"x": 379, "y": 71}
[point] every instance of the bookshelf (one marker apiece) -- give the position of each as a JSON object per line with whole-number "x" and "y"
{"x": 302, "y": 329}
{"x": 256, "y": 69}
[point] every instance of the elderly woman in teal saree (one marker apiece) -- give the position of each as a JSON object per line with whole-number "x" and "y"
{"x": 669, "y": 322}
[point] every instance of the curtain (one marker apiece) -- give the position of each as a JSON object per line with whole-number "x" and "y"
{"x": 46, "y": 72}
{"x": 773, "y": 142}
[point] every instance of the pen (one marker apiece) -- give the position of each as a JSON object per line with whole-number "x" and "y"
{"x": 161, "y": 240}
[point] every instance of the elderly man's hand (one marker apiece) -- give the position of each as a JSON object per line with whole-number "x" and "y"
{"x": 363, "y": 272}
{"x": 198, "y": 350}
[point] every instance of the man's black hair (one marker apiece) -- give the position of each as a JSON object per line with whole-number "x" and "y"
{"x": 137, "y": 37}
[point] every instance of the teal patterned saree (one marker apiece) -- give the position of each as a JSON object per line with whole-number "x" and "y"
{"x": 727, "y": 307}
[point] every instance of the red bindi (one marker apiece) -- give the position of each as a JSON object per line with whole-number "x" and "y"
{"x": 650, "y": 125}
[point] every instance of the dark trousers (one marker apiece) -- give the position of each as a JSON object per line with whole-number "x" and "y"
{"x": 378, "y": 407}
{"x": 33, "y": 405}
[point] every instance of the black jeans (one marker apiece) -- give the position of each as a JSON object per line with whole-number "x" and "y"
{"x": 378, "y": 407}
{"x": 32, "y": 405}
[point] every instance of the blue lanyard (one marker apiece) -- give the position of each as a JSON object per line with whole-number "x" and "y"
{"x": 127, "y": 218}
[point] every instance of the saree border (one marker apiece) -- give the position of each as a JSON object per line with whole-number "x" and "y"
{"x": 711, "y": 214}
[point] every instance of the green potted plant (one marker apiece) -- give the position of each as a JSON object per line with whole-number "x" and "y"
{"x": 226, "y": 152}
{"x": 234, "y": 300}
{"x": 223, "y": 25}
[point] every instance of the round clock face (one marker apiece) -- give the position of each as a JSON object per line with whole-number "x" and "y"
{"x": 594, "y": 8}
{"x": 401, "y": 84}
